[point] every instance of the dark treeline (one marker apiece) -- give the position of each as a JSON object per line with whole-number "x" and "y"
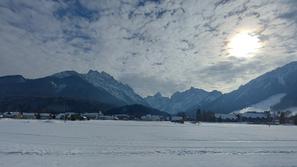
{"x": 205, "y": 116}
{"x": 50, "y": 105}
{"x": 199, "y": 116}
{"x": 271, "y": 117}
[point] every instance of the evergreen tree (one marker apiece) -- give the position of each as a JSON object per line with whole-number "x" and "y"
{"x": 295, "y": 119}
{"x": 282, "y": 118}
{"x": 198, "y": 115}
{"x": 182, "y": 114}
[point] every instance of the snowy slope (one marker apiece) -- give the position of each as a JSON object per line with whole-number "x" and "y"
{"x": 114, "y": 87}
{"x": 182, "y": 101}
{"x": 280, "y": 80}
{"x": 264, "y": 105}
{"x": 105, "y": 81}
{"x": 158, "y": 101}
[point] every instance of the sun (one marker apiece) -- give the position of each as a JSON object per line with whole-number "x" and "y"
{"x": 244, "y": 45}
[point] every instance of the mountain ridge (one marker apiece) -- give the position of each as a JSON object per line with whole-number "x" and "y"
{"x": 182, "y": 101}
{"x": 102, "y": 87}
{"x": 280, "y": 80}
{"x": 107, "y": 82}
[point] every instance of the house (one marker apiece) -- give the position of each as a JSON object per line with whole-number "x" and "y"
{"x": 64, "y": 116}
{"x": 253, "y": 116}
{"x": 10, "y": 114}
{"x": 107, "y": 117}
{"x": 122, "y": 117}
{"x": 151, "y": 117}
{"x": 92, "y": 115}
{"x": 177, "y": 119}
{"x": 75, "y": 116}
{"x": 43, "y": 115}
{"x": 61, "y": 116}
{"x": 29, "y": 116}
{"x": 226, "y": 117}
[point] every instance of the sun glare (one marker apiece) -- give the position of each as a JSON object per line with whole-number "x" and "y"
{"x": 244, "y": 45}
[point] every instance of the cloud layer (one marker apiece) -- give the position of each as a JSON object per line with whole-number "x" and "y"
{"x": 152, "y": 45}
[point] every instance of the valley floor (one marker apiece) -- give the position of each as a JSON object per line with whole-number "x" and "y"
{"x": 35, "y": 143}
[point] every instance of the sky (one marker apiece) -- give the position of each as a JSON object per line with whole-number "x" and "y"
{"x": 152, "y": 45}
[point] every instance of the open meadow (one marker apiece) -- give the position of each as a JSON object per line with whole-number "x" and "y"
{"x": 35, "y": 143}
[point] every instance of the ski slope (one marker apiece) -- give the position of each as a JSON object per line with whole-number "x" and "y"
{"x": 32, "y": 143}
{"x": 264, "y": 105}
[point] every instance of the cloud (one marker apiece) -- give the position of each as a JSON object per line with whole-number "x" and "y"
{"x": 74, "y": 9}
{"x": 175, "y": 44}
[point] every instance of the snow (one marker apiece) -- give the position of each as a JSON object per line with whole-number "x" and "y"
{"x": 107, "y": 82}
{"x": 114, "y": 87}
{"x": 33, "y": 143}
{"x": 182, "y": 101}
{"x": 263, "y": 105}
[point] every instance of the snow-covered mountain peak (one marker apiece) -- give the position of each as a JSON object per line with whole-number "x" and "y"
{"x": 97, "y": 74}
{"x": 105, "y": 81}
{"x": 182, "y": 101}
{"x": 196, "y": 92}
{"x": 111, "y": 85}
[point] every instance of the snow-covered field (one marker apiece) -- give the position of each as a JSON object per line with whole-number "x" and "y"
{"x": 35, "y": 143}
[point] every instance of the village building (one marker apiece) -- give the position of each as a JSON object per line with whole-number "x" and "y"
{"x": 61, "y": 116}
{"x": 28, "y": 116}
{"x": 226, "y": 117}
{"x": 151, "y": 118}
{"x": 253, "y": 116}
{"x": 122, "y": 116}
{"x": 10, "y": 114}
{"x": 177, "y": 119}
{"x": 92, "y": 115}
{"x": 107, "y": 117}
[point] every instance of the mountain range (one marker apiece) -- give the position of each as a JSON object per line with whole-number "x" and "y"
{"x": 276, "y": 90}
{"x": 183, "y": 101}
{"x": 281, "y": 81}
{"x": 67, "y": 91}
{"x": 102, "y": 80}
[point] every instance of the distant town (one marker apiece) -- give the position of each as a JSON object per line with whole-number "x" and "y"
{"x": 252, "y": 117}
